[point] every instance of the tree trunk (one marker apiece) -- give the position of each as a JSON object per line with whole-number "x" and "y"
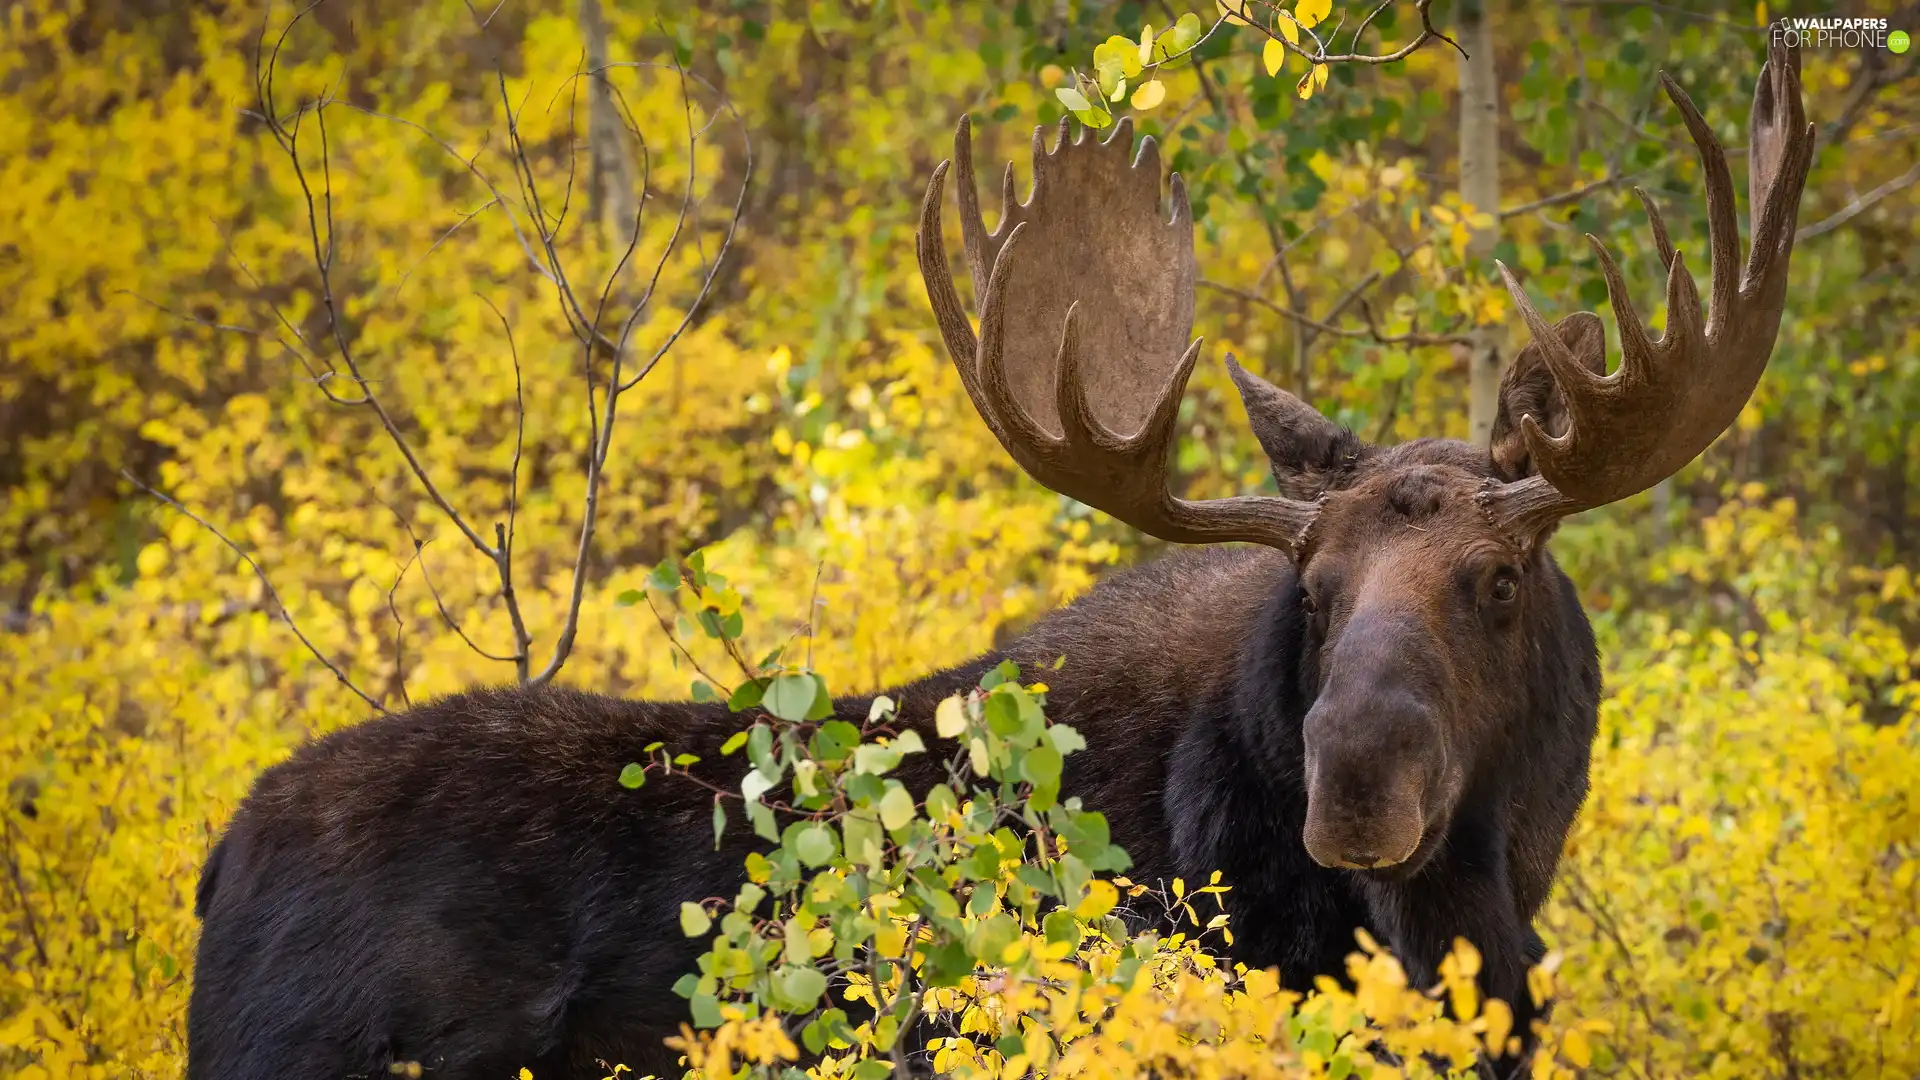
{"x": 611, "y": 198}
{"x": 1480, "y": 188}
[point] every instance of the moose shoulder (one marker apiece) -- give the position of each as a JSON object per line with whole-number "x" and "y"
{"x": 1379, "y": 715}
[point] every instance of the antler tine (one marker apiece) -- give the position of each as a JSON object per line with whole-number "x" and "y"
{"x": 1075, "y": 265}
{"x": 1673, "y": 396}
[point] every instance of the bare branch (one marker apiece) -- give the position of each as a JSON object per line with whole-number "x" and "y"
{"x": 400, "y": 630}
{"x": 504, "y": 531}
{"x": 1371, "y": 331}
{"x": 602, "y": 431}
{"x": 1575, "y": 195}
{"x": 265, "y": 583}
{"x": 323, "y": 257}
{"x": 1862, "y": 204}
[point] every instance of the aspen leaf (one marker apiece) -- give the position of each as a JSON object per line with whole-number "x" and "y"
{"x": 694, "y": 919}
{"x": 1311, "y": 12}
{"x": 1149, "y": 95}
{"x": 1075, "y": 101}
{"x": 1273, "y": 55}
{"x": 950, "y": 719}
{"x": 896, "y": 807}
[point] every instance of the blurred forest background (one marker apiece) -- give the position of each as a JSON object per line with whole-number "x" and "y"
{"x": 1740, "y": 894}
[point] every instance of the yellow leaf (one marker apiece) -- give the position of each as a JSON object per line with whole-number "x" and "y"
{"x": 1288, "y": 29}
{"x": 1100, "y": 899}
{"x": 950, "y": 719}
{"x": 1574, "y": 1047}
{"x": 1310, "y": 12}
{"x": 1319, "y": 76}
{"x": 1230, "y": 11}
{"x": 1304, "y": 87}
{"x": 1149, "y": 95}
{"x": 1499, "y": 1024}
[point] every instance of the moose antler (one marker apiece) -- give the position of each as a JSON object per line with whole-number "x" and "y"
{"x": 1088, "y": 261}
{"x": 1672, "y": 397}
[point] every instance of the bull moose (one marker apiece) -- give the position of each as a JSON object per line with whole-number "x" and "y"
{"x": 1376, "y": 713}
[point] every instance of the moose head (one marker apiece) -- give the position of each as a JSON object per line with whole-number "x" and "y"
{"x": 1420, "y": 572}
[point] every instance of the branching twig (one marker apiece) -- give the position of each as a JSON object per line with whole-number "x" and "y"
{"x": 1862, "y": 204}
{"x": 1371, "y": 330}
{"x": 400, "y": 630}
{"x": 265, "y": 583}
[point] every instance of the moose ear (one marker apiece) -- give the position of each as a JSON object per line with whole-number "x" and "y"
{"x": 1310, "y": 453}
{"x": 1529, "y": 389}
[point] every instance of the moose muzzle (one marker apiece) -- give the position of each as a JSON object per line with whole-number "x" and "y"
{"x": 1375, "y": 751}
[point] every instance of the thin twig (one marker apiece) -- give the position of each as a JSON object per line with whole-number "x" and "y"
{"x": 1371, "y": 330}
{"x": 265, "y": 582}
{"x": 1862, "y": 204}
{"x": 1575, "y": 195}
{"x": 400, "y": 630}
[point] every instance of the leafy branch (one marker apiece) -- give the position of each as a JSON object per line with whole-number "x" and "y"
{"x": 1120, "y": 63}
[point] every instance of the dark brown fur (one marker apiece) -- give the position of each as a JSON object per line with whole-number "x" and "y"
{"x": 468, "y": 886}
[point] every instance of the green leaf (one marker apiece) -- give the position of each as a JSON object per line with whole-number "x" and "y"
{"x": 1003, "y": 714}
{"x": 686, "y": 984}
{"x": 760, "y": 748}
{"x": 1065, "y": 739}
{"x": 734, "y": 742}
{"x": 822, "y": 701}
{"x": 706, "y": 1011}
{"x": 633, "y": 775}
{"x": 896, "y": 807}
{"x": 703, "y": 692}
{"x": 866, "y": 845}
{"x": 719, "y": 823}
{"x": 1075, "y": 101}
{"x": 875, "y": 759}
{"x": 1041, "y": 766}
{"x": 813, "y": 844}
{"x": 755, "y": 784}
{"x": 909, "y": 742}
{"x": 941, "y": 802}
{"x": 761, "y": 818}
{"x": 1060, "y": 925}
{"x": 790, "y": 697}
{"x": 694, "y": 920}
{"x": 833, "y": 741}
{"x": 748, "y": 695}
{"x": 665, "y": 577}
{"x": 629, "y": 598}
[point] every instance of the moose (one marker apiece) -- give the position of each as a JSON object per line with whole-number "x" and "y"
{"x": 1376, "y": 711}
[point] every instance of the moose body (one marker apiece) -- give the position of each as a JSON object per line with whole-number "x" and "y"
{"x": 467, "y": 885}
{"x": 1380, "y": 718}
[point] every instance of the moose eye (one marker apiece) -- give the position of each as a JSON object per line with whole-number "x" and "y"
{"x": 1307, "y": 603}
{"x": 1506, "y": 586}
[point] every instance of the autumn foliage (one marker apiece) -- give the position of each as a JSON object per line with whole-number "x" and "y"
{"x": 1740, "y": 895}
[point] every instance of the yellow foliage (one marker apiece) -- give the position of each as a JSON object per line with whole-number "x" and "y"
{"x": 1739, "y": 897}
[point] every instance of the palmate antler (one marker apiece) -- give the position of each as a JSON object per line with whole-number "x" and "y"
{"x": 1672, "y": 397}
{"x": 1086, "y": 307}
{"x": 1089, "y": 262}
